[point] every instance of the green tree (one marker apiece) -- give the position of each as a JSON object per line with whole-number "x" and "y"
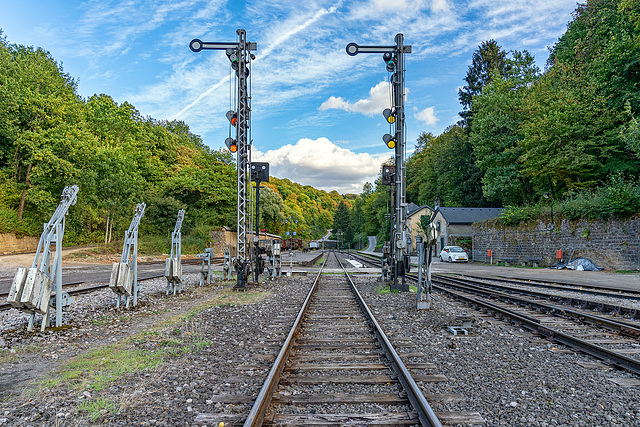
{"x": 342, "y": 222}
{"x": 271, "y": 208}
{"x": 445, "y": 168}
{"x": 496, "y": 131}
{"x": 567, "y": 136}
{"x": 487, "y": 59}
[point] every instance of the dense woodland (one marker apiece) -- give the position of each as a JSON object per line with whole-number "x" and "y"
{"x": 50, "y": 137}
{"x": 565, "y": 138}
{"x": 530, "y": 140}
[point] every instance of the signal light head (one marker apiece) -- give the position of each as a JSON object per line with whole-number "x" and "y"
{"x": 389, "y": 60}
{"x": 232, "y": 116}
{"x": 232, "y": 54}
{"x": 389, "y": 115}
{"x": 389, "y": 140}
{"x": 231, "y": 144}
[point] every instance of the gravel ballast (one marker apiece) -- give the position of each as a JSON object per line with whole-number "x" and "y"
{"x": 216, "y": 342}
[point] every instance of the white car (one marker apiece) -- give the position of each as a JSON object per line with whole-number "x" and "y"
{"x": 453, "y": 254}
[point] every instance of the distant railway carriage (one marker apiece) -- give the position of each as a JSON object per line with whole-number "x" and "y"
{"x": 291, "y": 243}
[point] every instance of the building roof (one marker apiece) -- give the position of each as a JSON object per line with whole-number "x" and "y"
{"x": 467, "y": 215}
{"x": 412, "y": 208}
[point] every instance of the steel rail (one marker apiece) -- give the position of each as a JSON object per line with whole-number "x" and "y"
{"x": 426, "y": 415}
{"x": 626, "y": 328}
{"x": 569, "y": 287}
{"x": 261, "y": 404}
{"x": 534, "y": 325}
{"x": 188, "y": 261}
{"x": 602, "y": 306}
{"x": 604, "y": 354}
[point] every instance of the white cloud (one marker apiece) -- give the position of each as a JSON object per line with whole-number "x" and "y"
{"x": 440, "y": 6}
{"x": 379, "y": 99}
{"x": 322, "y": 164}
{"x": 390, "y": 5}
{"x": 427, "y": 116}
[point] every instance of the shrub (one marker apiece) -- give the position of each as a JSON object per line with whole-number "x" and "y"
{"x": 514, "y": 215}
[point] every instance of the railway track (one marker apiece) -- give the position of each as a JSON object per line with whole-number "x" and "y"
{"x": 614, "y": 342}
{"x": 334, "y": 357}
{"x": 605, "y": 335}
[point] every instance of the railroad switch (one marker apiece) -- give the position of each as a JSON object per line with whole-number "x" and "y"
{"x": 124, "y": 275}
{"x": 31, "y": 288}
{"x": 205, "y": 269}
{"x": 274, "y": 260}
{"x": 173, "y": 267}
{"x": 226, "y": 265}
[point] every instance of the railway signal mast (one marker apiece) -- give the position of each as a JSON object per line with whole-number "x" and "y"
{"x": 240, "y": 56}
{"x": 393, "y": 57}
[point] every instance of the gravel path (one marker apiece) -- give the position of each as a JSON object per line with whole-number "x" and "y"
{"x": 210, "y": 341}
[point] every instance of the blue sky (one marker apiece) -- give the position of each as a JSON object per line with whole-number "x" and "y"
{"x": 316, "y": 111}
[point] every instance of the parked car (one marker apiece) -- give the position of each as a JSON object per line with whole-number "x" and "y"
{"x": 453, "y": 254}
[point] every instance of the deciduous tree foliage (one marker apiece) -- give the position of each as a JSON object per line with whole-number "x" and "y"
{"x": 50, "y": 138}
{"x": 496, "y": 132}
{"x": 312, "y": 208}
{"x": 444, "y": 167}
{"x": 570, "y": 131}
{"x": 342, "y": 222}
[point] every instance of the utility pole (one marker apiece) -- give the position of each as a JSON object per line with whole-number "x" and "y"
{"x": 240, "y": 56}
{"x": 393, "y": 57}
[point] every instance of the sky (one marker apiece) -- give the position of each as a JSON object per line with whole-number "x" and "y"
{"x": 316, "y": 111}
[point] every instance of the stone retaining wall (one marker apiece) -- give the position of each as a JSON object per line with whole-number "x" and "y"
{"x": 10, "y": 244}
{"x": 613, "y": 244}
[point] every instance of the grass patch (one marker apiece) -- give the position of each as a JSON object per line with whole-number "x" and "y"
{"x": 101, "y": 367}
{"x": 175, "y": 337}
{"x": 385, "y": 289}
{"x": 95, "y": 408}
{"x": 6, "y": 356}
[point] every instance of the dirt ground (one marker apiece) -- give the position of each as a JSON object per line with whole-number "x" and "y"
{"x": 22, "y": 260}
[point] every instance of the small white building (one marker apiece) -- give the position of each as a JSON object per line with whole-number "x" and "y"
{"x": 414, "y": 213}
{"x": 454, "y": 224}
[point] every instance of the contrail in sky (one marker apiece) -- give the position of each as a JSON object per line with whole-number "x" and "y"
{"x": 284, "y": 37}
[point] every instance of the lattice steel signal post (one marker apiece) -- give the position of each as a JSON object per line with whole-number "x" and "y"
{"x": 239, "y": 53}
{"x": 393, "y": 57}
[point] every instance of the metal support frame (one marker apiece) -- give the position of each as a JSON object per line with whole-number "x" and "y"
{"x": 274, "y": 259}
{"x": 399, "y": 240}
{"x": 226, "y": 264}
{"x": 291, "y": 221}
{"x": 425, "y": 258}
{"x": 173, "y": 267}
{"x": 31, "y": 288}
{"x": 124, "y": 275}
{"x": 240, "y": 55}
{"x": 205, "y": 269}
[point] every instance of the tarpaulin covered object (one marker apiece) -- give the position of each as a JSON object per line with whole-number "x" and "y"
{"x": 578, "y": 264}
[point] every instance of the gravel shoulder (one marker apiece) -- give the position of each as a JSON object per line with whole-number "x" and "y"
{"x": 508, "y": 375}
